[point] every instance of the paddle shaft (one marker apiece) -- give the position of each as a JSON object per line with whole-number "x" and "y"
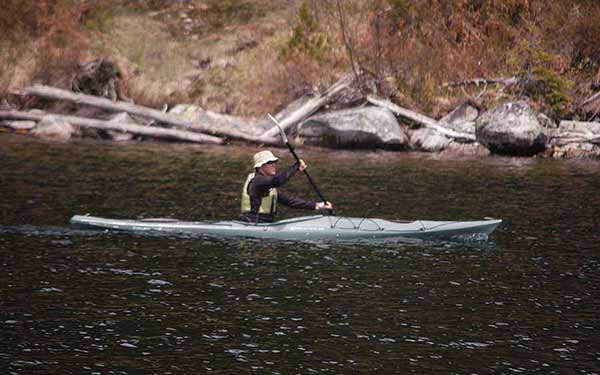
{"x": 312, "y": 182}
{"x": 287, "y": 143}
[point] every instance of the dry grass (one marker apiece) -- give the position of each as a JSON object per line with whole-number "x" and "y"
{"x": 211, "y": 68}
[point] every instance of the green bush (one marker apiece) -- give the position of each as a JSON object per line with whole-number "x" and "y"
{"x": 306, "y": 38}
{"x": 543, "y": 79}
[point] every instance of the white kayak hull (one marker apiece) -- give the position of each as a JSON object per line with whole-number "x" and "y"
{"x": 308, "y": 228}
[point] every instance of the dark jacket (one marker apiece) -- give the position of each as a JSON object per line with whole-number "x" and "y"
{"x": 259, "y": 188}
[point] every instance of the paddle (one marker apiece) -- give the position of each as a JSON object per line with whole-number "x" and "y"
{"x": 287, "y": 142}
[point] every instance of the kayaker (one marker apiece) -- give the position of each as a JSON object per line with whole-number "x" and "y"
{"x": 260, "y": 194}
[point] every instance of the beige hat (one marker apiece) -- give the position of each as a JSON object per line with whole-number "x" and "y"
{"x": 263, "y": 157}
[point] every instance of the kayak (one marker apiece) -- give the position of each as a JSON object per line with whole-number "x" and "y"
{"x": 307, "y": 228}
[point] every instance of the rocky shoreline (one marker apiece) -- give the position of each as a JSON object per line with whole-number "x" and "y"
{"x": 512, "y": 128}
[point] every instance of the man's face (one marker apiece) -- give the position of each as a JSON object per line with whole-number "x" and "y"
{"x": 269, "y": 169}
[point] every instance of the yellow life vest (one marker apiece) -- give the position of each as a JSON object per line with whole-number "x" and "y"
{"x": 268, "y": 204}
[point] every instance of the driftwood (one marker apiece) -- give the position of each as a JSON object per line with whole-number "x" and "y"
{"x": 173, "y": 134}
{"x": 506, "y": 82}
{"x": 308, "y": 108}
{"x": 591, "y": 98}
{"x": 566, "y": 138}
{"x": 483, "y": 81}
{"x": 217, "y": 129}
{"x": 421, "y": 119}
{"x": 577, "y": 132}
{"x": 590, "y": 128}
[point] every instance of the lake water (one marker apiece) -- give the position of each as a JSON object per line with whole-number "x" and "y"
{"x": 84, "y": 302}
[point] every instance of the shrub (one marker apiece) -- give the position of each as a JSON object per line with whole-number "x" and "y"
{"x": 306, "y": 39}
{"x": 543, "y": 77}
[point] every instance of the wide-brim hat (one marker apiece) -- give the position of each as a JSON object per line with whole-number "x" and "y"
{"x": 263, "y": 157}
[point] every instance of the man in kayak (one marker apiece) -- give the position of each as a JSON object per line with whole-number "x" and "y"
{"x": 260, "y": 195}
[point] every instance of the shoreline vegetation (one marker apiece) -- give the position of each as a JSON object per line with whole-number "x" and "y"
{"x": 464, "y": 77}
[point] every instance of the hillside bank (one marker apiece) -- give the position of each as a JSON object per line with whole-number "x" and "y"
{"x": 246, "y": 58}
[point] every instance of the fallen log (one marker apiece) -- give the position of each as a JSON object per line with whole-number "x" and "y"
{"x": 576, "y": 132}
{"x": 564, "y": 139}
{"x": 308, "y": 108}
{"x": 421, "y": 119}
{"x": 216, "y": 128}
{"x": 155, "y": 132}
{"x": 590, "y": 128}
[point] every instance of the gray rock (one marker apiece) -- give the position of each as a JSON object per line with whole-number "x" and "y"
{"x": 19, "y": 125}
{"x": 512, "y": 128}
{"x": 461, "y": 119}
{"x": 461, "y": 127}
{"x": 426, "y": 139}
{"x": 118, "y": 136}
{"x": 194, "y": 113}
{"x": 576, "y": 151}
{"x": 367, "y": 127}
{"x": 465, "y": 149}
{"x": 54, "y": 129}
{"x": 463, "y": 113}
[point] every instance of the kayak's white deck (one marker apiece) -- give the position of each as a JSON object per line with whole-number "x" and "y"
{"x": 302, "y": 228}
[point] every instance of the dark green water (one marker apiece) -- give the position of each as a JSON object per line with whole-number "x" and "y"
{"x": 75, "y": 302}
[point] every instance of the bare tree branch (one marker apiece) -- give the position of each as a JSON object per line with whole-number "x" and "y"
{"x": 348, "y": 43}
{"x": 483, "y": 81}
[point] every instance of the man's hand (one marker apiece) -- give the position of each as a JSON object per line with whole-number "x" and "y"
{"x": 302, "y": 166}
{"x": 324, "y": 206}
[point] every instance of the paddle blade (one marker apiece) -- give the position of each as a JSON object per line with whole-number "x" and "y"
{"x": 281, "y": 131}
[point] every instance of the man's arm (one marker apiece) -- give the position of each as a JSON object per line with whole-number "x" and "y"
{"x": 264, "y": 183}
{"x": 294, "y": 202}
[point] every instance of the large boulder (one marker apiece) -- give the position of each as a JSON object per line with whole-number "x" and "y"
{"x": 367, "y": 127}
{"x": 55, "y": 129}
{"x": 512, "y": 128}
